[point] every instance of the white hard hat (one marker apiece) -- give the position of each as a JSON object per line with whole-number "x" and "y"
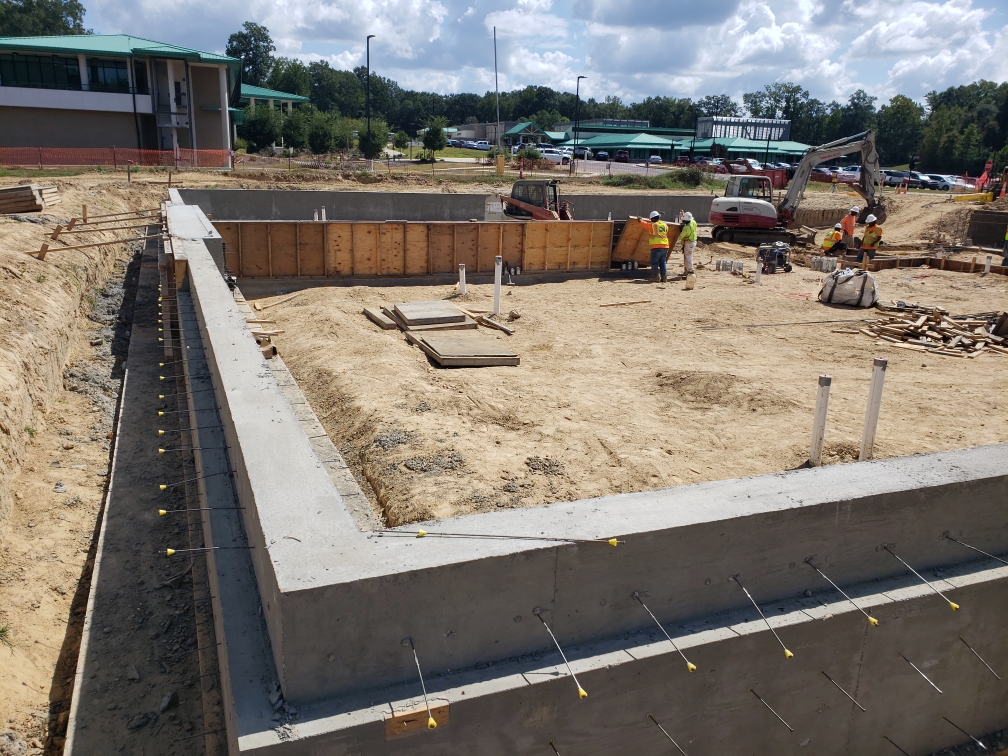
{"x": 655, "y": 215}
{"x": 838, "y": 227}
{"x": 687, "y": 217}
{"x": 870, "y": 219}
{"x": 855, "y": 210}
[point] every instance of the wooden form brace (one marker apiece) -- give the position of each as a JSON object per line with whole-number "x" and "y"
{"x": 267, "y": 249}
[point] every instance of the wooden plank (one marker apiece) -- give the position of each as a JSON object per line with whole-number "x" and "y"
{"x": 255, "y": 250}
{"x": 579, "y": 257}
{"x": 340, "y": 249}
{"x": 427, "y": 313}
{"x": 269, "y": 249}
{"x": 602, "y": 241}
{"x": 382, "y": 321}
{"x": 467, "y": 245}
{"x": 283, "y": 248}
{"x": 417, "y": 241}
{"x": 442, "y": 251}
{"x": 311, "y": 244}
{"x": 365, "y": 249}
{"x": 626, "y": 245}
{"x": 297, "y": 245}
{"x": 402, "y": 723}
{"x": 240, "y": 249}
{"x": 392, "y": 255}
{"x": 325, "y": 249}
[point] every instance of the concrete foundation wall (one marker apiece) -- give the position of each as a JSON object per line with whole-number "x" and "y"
{"x": 269, "y": 204}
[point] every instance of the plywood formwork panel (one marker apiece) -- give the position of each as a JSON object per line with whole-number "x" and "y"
{"x": 580, "y": 246}
{"x": 467, "y": 245}
{"x": 442, "y": 247}
{"x": 535, "y": 245}
{"x": 311, "y": 248}
{"x": 601, "y": 245}
{"x": 339, "y": 249}
{"x": 417, "y": 249}
{"x": 558, "y": 244}
{"x": 283, "y": 249}
{"x": 229, "y": 234}
{"x": 255, "y": 255}
{"x": 392, "y": 249}
{"x": 489, "y": 246}
{"x": 512, "y": 247}
{"x": 365, "y": 248}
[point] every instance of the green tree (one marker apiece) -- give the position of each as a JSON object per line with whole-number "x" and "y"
{"x": 900, "y": 124}
{"x": 858, "y": 114}
{"x": 401, "y": 140}
{"x": 434, "y": 138}
{"x": 254, "y": 46}
{"x": 291, "y": 76}
{"x": 372, "y": 143}
{"x": 335, "y": 91}
{"x": 344, "y": 130}
{"x": 36, "y": 18}
{"x": 294, "y": 128}
{"x": 718, "y": 105}
{"x": 321, "y": 134}
{"x": 260, "y": 127}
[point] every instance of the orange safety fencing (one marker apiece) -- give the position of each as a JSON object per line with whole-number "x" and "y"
{"x": 113, "y": 157}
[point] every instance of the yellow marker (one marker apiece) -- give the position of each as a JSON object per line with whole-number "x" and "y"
{"x": 160, "y": 432}
{"x": 162, "y": 486}
{"x": 873, "y": 621}
{"x": 160, "y": 451}
{"x": 954, "y": 605}
{"x": 160, "y": 330}
{"x": 159, "y": 319}
{"x": 787, "y": 654}
{"x": 162, "y": 512}
{"x": 160, "y": 396}
{"x": 582, "y": 693}
{"x": 421, "y": 533}
{"x": 160, "y": 377}
{"x": 613, "y": 541}
{"x": 691, "y": 667}
{"x": 169, "y": 552}
{"x": 431, "y": 724}
{"x": 160, "y": 413}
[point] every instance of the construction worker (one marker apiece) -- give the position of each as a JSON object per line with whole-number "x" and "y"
{"x": 833, "y": 243}
{"x": 872, "y": 238}
{"x": 688, "y": 237}
{"x": 847, "y": 225}
{"x": 658, "y": 231}
{"x": 1005, "y": 250}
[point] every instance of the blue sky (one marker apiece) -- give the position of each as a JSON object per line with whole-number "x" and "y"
{"x": 627, "y": 48}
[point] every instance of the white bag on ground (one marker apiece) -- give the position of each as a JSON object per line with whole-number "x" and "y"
{"x": 849, "y": 287}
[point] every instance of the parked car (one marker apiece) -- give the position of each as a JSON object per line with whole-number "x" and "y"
{"x": 655, "y": 159}
{"x": 483, "y": 145}
{"x": 554, "y": 155}
{"x": 940, "y": 182}
{"x": 923, "y": 181}
{"x": 682, "y": 161}
{"x": 622, "y": 156}
{"x": 821, "y": 174}
{"x": 601, "y": 155}
{"x": 583, "y": 153}
{"x": 896, "y": 178}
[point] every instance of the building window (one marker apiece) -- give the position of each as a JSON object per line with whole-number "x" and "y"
{"x": 140, "y": 77}
{"x": 39, "y": 71}
{"x": 108, "y": 75}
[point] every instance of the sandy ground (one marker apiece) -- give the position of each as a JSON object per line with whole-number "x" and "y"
{"x": 615, "y": 399}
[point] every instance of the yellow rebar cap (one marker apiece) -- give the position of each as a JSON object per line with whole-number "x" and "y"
{"x": 787, "y": 654}
{"x": 691, "y": 667}
{"x": 582, "y": 693}
{"x": 613, "y": 541}
{"x": 169, "y": 552}
{"x": 873, "y": 621}
{"x": 421, "y": 533}
{"x": 431, "y": 724}
{"x": 162, "y": 486}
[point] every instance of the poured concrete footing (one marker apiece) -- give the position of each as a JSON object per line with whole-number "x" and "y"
{"x": 336, "y": 600}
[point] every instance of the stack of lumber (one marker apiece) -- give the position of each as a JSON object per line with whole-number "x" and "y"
{"x": 445, "y": 333}
{"x": 30, "y": 198}
{"x": 934, "y": 331}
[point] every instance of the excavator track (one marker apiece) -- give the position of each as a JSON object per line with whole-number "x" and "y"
{"x": 752, "y": 237}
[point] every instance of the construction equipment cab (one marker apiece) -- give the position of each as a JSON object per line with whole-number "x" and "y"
{"x": 538, "y": 200}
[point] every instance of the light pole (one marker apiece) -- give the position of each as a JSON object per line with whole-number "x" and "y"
{"x": 368, "y": 85}
{"x": 577, "y": 119}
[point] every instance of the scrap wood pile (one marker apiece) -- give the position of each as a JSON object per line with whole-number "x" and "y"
{"x": 30, "y": 198}
{"x": 446, "y": 333}
{"x": 925, "y": 328}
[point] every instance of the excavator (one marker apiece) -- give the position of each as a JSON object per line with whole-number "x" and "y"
{"x": 746, "y": 214}
{"x": 536, "y": 200}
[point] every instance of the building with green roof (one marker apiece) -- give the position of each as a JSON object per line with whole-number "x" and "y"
{"x": 99, "y": 90}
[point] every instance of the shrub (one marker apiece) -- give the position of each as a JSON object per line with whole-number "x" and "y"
{"x": 529, "y": 153}
{"x": 295, "y": 129}
{"x": 372, "y": 144}
{"x": 261, "y": 127}
{"x": 321, "y": 136}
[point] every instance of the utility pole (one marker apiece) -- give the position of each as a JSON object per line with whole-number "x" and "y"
{"x": 368, "y": 95}
{"x": 497, "y": 92}
{"x": 577, "y": 119}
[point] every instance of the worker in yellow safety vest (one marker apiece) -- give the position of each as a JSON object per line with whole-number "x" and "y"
{"x": 847, "y": 225}
{"x": 833, "y": 243}
{"x": 1005, "y": 260}
{"x": 688, "y": 237}
{"x": 872, "y": 238}
{"x": 658, "y": 241}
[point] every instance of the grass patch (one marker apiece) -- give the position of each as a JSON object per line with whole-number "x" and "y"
{"x": 49, "y": 172}
{"x": 40, "y": 278}
{"x": 5, "y": 637}
{"x": 30, "y": 431}
{"x": 688, "y": 178}
{"x": 460, "y": 152}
